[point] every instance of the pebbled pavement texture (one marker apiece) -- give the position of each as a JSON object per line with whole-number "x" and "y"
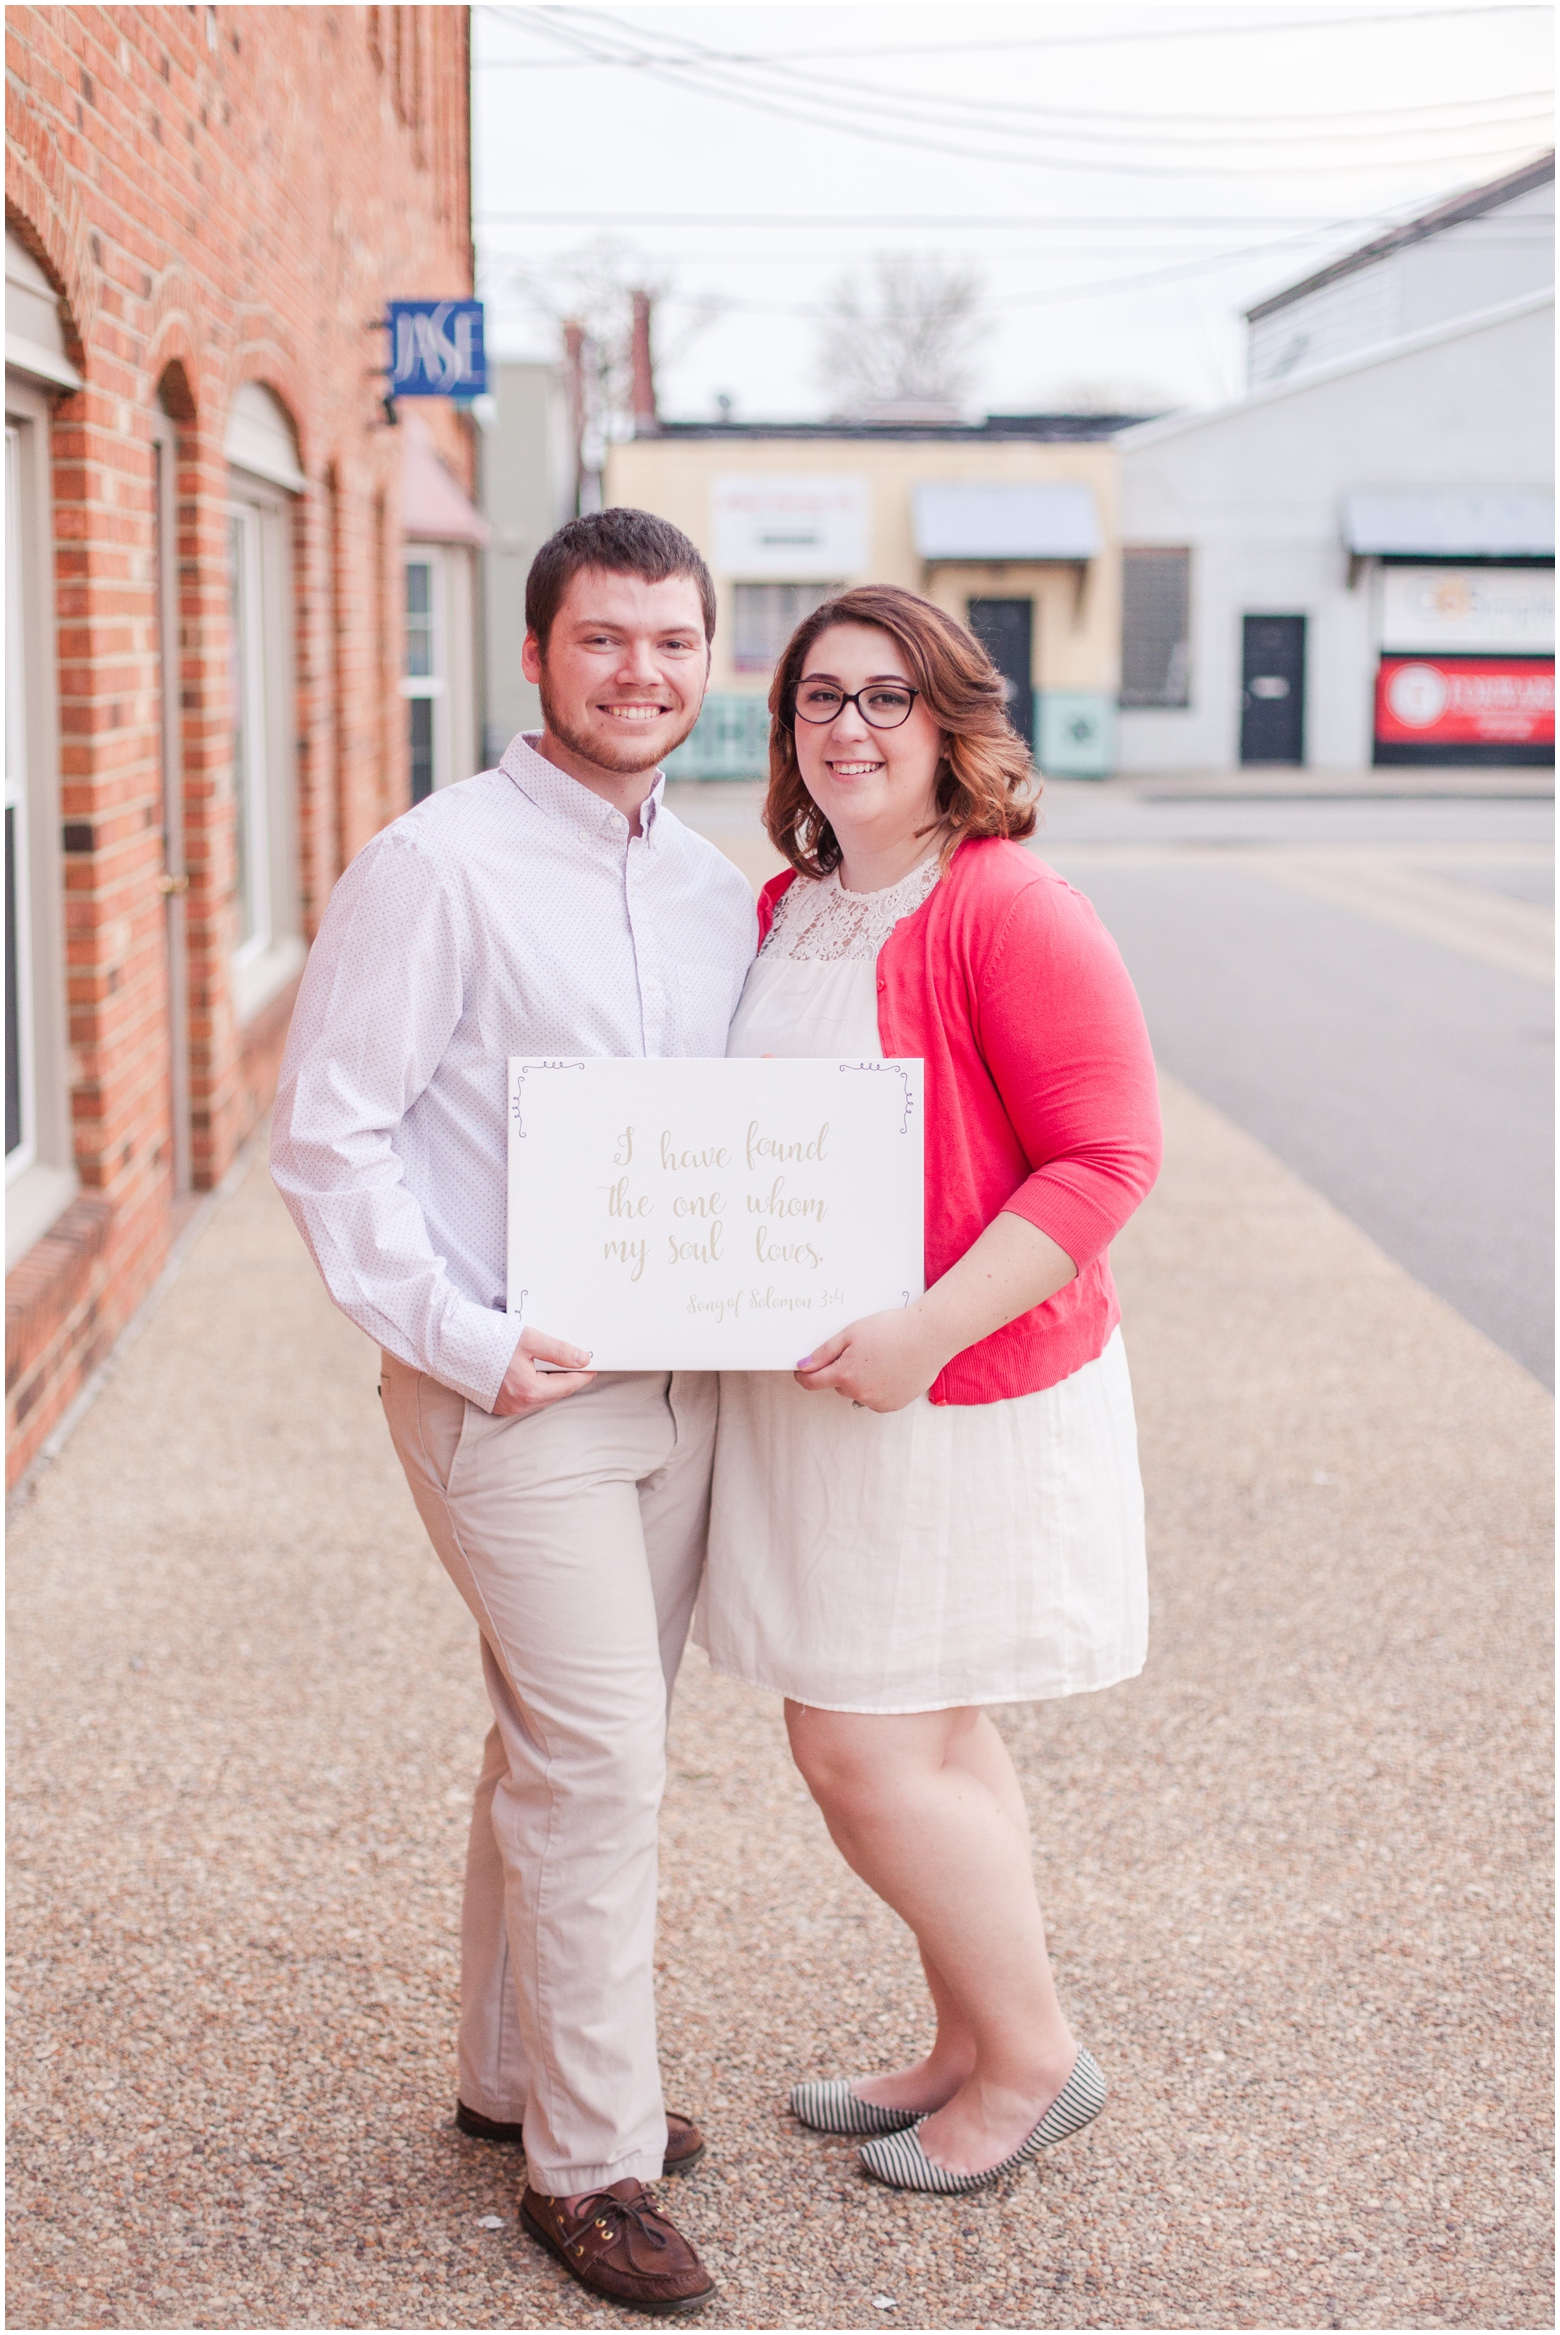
{"x": 1295, "y": 1874}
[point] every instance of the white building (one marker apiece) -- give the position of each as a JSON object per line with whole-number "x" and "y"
{"x": 1355, "y": 562}
{"x": 525, "y": 467}
{"x": 1477, "y": 251}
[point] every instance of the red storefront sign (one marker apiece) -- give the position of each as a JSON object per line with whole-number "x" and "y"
{"x": 1465, "y": 701}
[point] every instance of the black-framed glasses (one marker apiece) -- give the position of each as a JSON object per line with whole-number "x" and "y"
{"x": 882, "y": 705}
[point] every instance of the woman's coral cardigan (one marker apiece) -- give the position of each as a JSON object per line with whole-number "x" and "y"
{"x": 1040, "y": 1093}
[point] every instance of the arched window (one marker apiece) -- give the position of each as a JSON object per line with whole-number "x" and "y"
{"x": 263, "y": 477}
{"x": 40, "y": 1172}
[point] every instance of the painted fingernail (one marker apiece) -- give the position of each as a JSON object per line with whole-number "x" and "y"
{"x": 805, "y": 1362}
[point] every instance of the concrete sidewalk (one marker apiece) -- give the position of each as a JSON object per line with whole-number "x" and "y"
{"x": 1295, "y": 1873}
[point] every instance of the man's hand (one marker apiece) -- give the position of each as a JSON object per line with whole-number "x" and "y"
{"x": 881, "y": 1362}
{"x": 526, "y": 1388}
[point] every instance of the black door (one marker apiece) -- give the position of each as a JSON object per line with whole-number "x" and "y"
{"x": 1006, "y": 631}
{"x": 1272, "y": 689}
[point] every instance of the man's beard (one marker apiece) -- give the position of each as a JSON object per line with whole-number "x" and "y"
{"x": 625, "y": 755}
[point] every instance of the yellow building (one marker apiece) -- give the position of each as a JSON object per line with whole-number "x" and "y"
{"x": 1011, "y": 524}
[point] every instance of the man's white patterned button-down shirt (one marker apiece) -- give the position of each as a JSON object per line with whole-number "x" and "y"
{"x": 511, "y": 914}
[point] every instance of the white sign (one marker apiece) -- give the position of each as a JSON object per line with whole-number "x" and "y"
{"x": 1468, "y": 608}
{"x": 771, "y": 527}
{"x": 687, "y": 1215}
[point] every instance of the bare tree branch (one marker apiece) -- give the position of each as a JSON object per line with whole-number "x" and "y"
{"x": 907, "y": 335}
{"x": 594, "y": 287}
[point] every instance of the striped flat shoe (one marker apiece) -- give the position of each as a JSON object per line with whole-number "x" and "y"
{"x": 835, "y": 2108}
{"x": 899, "y": 2159}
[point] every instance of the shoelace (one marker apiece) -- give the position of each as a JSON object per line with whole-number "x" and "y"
{"x": 637, "y": 2210}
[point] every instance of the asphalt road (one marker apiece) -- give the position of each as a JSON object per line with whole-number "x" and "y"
{"x": 1383, "y": 1031}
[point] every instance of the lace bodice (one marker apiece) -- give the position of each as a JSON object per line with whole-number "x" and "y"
{"x": 822, "y": 923}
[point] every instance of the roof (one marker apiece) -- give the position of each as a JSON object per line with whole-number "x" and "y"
{"x": 1471, "y": 205}
{"x": 1053, "y": 428}
{"x": 1006, "y": 521}
{"x": 1433, "y": 522}
{"x": 1374, "y": 359}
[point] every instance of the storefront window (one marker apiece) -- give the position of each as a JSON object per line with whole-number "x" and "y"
{"x": 764, "y": 616}
{"x": 1156, "y": 660}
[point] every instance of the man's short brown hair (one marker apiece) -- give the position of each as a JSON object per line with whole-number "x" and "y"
{"x": 622, "y": 542}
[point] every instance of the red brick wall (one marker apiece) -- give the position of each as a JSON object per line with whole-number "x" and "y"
{"x": 219, "y": 195}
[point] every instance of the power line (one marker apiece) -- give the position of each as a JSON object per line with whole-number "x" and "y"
{"x": 521, "y": 17}
{"x": 1318, "y": 125}
{"x": 1025, "y": 219}
{"x": 940, "y": 111}
{"x": 1054, "y": 295}
{"x": 824, "y": 110}
{"x": 1266, "y": 131}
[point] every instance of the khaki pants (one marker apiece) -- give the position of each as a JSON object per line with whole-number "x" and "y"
{"x": 576, "y": 1536}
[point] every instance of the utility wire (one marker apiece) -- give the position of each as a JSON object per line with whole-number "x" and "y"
{"x": 942, "y": 111}
{"x": 1317, "y": 125}
{"x": 842, "y": 113}
{"x": 526, "y": 18}
{"x": 1221, "y": 129}
{"x": 1028, "y": 220}
{"x": 1054, "y": 295}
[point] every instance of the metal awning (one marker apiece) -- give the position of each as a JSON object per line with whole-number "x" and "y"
{"x": 977, "y": 522}
{"x": 435, "y": 507}
{"x": 1434, "y": 522}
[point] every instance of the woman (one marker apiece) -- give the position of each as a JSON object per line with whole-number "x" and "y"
{"x": 943, "y": 1508}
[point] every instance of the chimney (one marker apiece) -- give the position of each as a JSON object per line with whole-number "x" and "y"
{"x": 574, "y": 391}
{"x": 644, "y": 369}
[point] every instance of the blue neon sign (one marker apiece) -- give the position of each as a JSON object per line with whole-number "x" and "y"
{"x": 436, "y": 349}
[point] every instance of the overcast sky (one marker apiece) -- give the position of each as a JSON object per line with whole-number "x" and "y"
{"x": 751, "y": 154}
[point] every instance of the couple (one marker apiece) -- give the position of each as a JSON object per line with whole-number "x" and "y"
{"x": 942, "y": 1508}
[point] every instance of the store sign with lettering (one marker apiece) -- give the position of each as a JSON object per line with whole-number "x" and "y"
{"x": 436, "y": 349}
{"x": 1468, "y": 608}
{"x": 1465, "y": 701}
{"x": 693, "y": 1215}
{"x": 772, "y": 527}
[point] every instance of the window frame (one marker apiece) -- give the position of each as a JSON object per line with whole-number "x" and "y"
{"x": 451, "y": 688}
{"x": 432, "y": 687}
{"x": 1160, "y": 553}
{"x": 41, "y": 1178}
{"x": 262, "y": 961}
{"x": 19, "y": 825}
{"x": 820, "y": 591}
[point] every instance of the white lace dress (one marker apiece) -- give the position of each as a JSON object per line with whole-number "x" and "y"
{"x": 920, "y": 1559}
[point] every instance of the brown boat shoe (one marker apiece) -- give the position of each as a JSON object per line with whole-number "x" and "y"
{"x": 684, "y": 2140}
{"x": 616, "y": 2244}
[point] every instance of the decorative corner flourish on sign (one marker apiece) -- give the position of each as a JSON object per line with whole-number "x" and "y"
{"x": 524, "y": 1073}
{"x": 904, "y": 1080}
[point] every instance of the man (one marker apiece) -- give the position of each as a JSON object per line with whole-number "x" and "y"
{"x": 550, "y": 905}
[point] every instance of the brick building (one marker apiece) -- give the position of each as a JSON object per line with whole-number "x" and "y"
{"x": 208, "y": 580}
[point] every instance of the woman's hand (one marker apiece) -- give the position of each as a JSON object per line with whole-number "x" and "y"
{"x": 885, "y": 1360}
{"x": 881, "y": 1362}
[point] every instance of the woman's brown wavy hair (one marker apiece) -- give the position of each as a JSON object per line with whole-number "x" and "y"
{"x": 986, "y": 782}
